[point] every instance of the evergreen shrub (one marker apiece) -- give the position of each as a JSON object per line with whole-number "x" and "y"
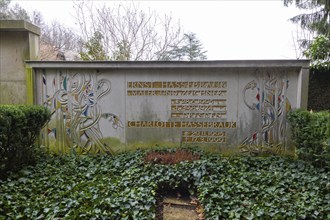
{"x": 20, "y": 126}
{"x": 311, "y": 133}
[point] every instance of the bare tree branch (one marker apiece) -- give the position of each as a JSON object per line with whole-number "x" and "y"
{"x": 138, "y": 34}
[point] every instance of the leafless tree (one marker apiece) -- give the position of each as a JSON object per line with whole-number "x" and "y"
{"x": 129, "y": 33}
{"x": 59, "y": 36}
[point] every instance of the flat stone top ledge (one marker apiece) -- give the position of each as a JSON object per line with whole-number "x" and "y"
{"x": 170, "y": 64}
{"x": 18, "y": 25}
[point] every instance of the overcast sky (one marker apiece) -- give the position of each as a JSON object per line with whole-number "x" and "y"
{"x": 233, "y": 29}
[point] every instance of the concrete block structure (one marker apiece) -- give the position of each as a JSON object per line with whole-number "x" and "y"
{"x": 223, "y": 106}
{"x": 19, "y": 41}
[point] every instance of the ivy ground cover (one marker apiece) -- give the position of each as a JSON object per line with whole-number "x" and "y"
{"x": 126, "y": 187}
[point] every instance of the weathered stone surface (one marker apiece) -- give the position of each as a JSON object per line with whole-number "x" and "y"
{"x": 19, "y": 41}
{"x": 228, "y": 106}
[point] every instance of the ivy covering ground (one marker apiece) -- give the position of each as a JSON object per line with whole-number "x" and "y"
{"x": 124, "y": 187}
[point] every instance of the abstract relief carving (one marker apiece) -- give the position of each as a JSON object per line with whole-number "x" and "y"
{"x": 266, "y": 96}
{"x": 76, "y": 113}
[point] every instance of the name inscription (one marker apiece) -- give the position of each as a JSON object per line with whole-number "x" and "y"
{"x": 193, "y": 100}
{"x": 178, "y": 84}
{"x": 180, "y": 124}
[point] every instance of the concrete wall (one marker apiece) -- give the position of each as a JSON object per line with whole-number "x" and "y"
{"x": 19, "y": 41}
{"x": 228, "y": 106}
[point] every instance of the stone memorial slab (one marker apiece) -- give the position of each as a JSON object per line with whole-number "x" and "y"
{"x": 227, "y": 106}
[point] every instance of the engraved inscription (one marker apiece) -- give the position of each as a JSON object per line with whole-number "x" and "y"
{"x": 213, "y": 106}
{"x": 198, "y": 102}
{"x": 203, "y": 108}
{"x": 199, "y": 108}
{"x": 181, "y": 124}
{"x": 198, "y": 115}
{"x": 204, "y": 137}
{"x": 177, "y": 84}
{"x": 219, "y": 93}
{"x": 189, "y": 100}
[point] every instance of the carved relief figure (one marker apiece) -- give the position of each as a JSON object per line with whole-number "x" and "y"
{"x": 76, "y": 112}
{"x": 267, "y": 96}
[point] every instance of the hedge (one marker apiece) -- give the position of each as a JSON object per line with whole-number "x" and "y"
{"x": 311, "y": 133}
{"x": 19, "y": 127}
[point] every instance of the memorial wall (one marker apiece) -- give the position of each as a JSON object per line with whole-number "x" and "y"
{"x": 225, "y": 106}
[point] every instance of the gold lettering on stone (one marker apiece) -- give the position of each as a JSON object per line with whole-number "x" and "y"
{"x": 134, "y": 85}
{"x": 198, "y": 108}
{"x": 178, "y": 85}
{"x": 204, "y": 137}
{"x": 194, "y": 115}
{"x": 198, "y": 102}
{"x": 183, "y": 108}
{"x": 181, "y": 124}
{"x": 194, "y": 100}
{"x": 218, "y": 93}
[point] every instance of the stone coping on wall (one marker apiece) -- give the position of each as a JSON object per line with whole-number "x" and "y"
{"x": 18, "y": 25}
{"x": 171, "y": 64}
